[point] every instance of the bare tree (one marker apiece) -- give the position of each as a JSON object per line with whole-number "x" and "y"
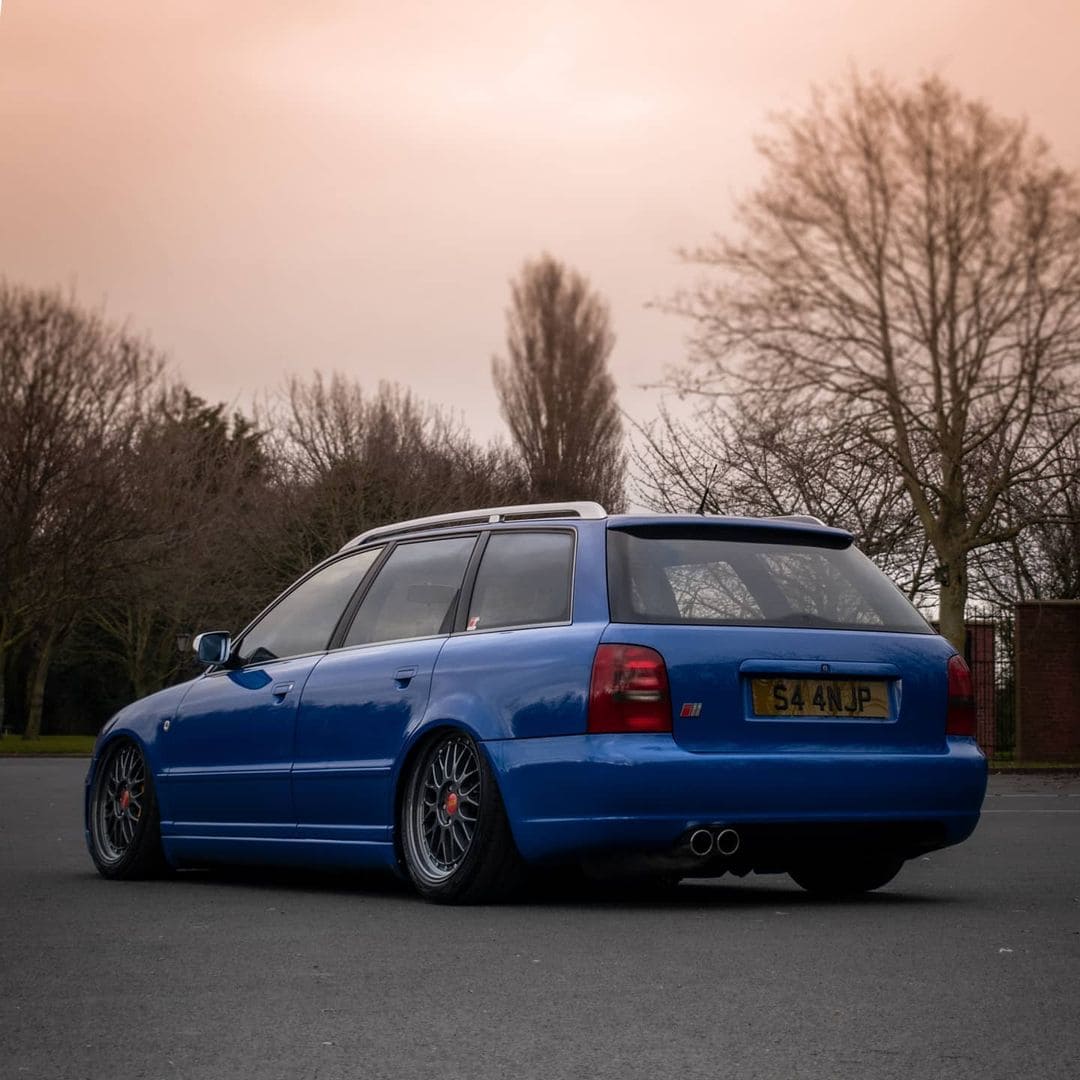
{"x": 195, "y": 479}
{"x": 913, "y": 254}
{"x": 1042, "y": 561}
{"x": 760, "y": 455}
{"x": 1055, "y": 535}
{"x": 556, "y": 393}
{"x": 72, "y": 388}
{"x": 347, "y": 460}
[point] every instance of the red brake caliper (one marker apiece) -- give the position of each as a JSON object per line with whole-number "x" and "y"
{"x": 125, "y": 798}
{"x": 451, "y": 804}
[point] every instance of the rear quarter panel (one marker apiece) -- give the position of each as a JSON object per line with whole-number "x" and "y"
{"x": 516, "y": 683}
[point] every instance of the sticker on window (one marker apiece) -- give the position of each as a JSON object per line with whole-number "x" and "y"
{"x": 474, "y": 622}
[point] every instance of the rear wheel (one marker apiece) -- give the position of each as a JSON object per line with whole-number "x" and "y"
{"x": 847, "y": 877}
{"x": 125, "y": 831}
{"x": 455, "y": 838}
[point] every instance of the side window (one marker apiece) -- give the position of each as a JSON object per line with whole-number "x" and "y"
{"x": 304, "y": 620}
{"x": 524, "y": 579}
{"x": 415, "y": 594}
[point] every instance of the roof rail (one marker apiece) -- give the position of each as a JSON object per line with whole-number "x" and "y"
{"x": 488, "y": 515}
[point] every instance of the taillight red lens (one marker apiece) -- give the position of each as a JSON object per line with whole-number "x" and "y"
{"x": 961, "y": 715}
{"x": 629, "y": 690}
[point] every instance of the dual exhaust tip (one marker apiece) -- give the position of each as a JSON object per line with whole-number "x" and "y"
{"x": 723, "y": 841}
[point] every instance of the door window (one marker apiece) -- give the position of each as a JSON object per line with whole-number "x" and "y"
{"x": 416, "y": 592}
{"x": 303, "y": 620}
{"x": 524, "y": 580}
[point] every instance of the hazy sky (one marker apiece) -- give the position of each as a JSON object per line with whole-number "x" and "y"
{"x": 270, "y": 187}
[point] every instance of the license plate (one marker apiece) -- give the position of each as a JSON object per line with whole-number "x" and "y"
{"x": 832, "y": 698}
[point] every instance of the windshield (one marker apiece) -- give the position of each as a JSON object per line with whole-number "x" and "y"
{"x": 690, "y": 576}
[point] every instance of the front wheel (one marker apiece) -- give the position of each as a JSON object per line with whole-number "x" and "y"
{"x": 847, "y": 877}
{"x": 125, "y": 830}
{"x": 455, "y": 838}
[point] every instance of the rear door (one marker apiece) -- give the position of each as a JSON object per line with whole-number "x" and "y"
{"x": 520, "y": 664}
{"x": 364, "y": 696}
{"x": 786, "y": 641}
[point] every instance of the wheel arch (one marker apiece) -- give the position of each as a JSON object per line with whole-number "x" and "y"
{"x": 113, "y": 736}
{"x": 145, "y": 854}
{"x": 416, "y": 745}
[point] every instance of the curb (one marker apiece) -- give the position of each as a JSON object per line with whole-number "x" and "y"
{"x": 15, "y": 756}
{"x": 1052, "y": 770}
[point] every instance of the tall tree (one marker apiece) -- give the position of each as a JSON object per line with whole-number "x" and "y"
{"x": 555, "y": 391}
{"x": 912, "y": 260}
{"x": 72, "y": 390}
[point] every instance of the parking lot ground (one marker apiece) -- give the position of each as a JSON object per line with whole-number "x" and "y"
{"x": 968, "y": 965}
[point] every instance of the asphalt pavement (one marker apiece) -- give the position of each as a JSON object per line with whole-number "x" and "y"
{"x": 967, "y": 965}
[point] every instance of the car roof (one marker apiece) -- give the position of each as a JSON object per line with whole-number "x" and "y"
{"x": 575, "y": 512}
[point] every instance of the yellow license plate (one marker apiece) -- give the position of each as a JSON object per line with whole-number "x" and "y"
{"x": 833, "y": 698}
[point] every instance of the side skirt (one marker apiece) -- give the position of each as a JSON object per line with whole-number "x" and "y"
{"x": 181, "y": 850}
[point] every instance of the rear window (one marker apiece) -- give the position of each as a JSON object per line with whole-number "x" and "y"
{"x": 696, "y": 578}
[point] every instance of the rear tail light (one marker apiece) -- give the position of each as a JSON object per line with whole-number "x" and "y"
{"x": 629, "y": 690}
{"x": 960, "y": 719}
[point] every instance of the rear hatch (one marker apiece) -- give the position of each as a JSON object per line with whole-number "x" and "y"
{"x": 777, "y": 637}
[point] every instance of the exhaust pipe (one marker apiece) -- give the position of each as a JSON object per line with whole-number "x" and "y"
{"x": 727, "y": 841}
{"x": 701, "y": 842}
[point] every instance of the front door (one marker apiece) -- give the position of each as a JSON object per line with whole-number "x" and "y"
{"x": 228, "y": 753}
{"x": 229, "y": 750}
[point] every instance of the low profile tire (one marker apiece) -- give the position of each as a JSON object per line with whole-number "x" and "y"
{"x": 455, "y": 838}
{"x": 125, "y": 828}
{"x": 848, "y": 877}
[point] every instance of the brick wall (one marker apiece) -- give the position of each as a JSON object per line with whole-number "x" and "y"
{"x": 1048, "y": 680}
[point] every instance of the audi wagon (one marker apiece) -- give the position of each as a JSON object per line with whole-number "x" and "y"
{"x": 466, "y": 697}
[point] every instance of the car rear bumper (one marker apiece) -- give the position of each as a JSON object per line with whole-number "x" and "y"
{"x": 576, "y": 795}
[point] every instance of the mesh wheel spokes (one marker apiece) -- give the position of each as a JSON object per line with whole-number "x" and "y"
{"x": 119, "y": 803}
{"x": 445, "y": 807}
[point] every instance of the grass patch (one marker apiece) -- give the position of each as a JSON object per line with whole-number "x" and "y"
{"x": 47, "y": 744}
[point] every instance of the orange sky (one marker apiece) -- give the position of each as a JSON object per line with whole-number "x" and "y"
{"x": 269, "y": 187}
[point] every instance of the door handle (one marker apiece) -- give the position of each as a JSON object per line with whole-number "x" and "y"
{"x": 281, "y": 689}
{"x": 403, "y": 676}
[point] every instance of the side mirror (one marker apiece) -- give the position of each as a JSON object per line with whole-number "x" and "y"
{"x": 212, "y": 647}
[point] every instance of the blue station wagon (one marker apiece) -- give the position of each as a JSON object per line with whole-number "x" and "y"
{"x": 465, "y": 697}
